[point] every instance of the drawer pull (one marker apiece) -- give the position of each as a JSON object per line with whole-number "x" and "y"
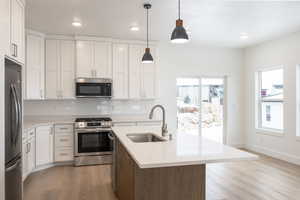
{"x": 63, "y": 128}
{"x": 63, "y": 154}
{"x": 64, "y": 140}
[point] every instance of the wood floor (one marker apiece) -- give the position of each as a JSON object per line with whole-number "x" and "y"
{"x": 265, "y": 179}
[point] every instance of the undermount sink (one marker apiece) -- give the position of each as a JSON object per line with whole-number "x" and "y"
{"x": 146, "y": 137}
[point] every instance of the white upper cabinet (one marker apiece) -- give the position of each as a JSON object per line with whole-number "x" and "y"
{"x": 35, "y": 66}
{"x": 67, "y": 52}
{"x": 120, "y": 71}
{"x": 85, "y": 59}
{"x": 102, "y": 60}
{"x": 60, "y": 69}
{"x": 96, "y": 58}
{"x": 52, "y": 69}
{"x": 148, "y": 78}
{"x": 17, "y": 30}
{"x": 142, "y": 77}
{"x": 135, "y": 59}
{"x": 93, "y": 59}
{"x": 5, "y": 26}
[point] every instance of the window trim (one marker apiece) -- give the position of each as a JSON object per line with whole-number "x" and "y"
{"x": 258, "y": 104}
{"x": 298, "y": 102}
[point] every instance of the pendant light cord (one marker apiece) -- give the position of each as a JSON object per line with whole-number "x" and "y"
{"x": 179, "y": 9}
{"x": 147, "y": 27}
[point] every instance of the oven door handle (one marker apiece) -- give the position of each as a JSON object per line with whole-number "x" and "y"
{"x": 93, "y": 130}
{"x": 110, "y": 136}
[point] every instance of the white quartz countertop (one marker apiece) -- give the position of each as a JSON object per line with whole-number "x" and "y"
{"x": 183, "y": 149}
{"x": 34, "y": 121}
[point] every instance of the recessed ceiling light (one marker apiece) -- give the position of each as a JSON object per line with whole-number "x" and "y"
{"x": 76, "y": 24}
{"x": 134, "y": 28}
{"x": 244, "y": 36}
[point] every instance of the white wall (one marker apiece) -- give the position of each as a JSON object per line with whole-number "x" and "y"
{"x": 285, "y": 52}
{"x": 189, "y": 61}
{"x": 174, "y": 62}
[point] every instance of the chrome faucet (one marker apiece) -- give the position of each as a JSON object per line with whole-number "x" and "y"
{"x": 164, "y": 128}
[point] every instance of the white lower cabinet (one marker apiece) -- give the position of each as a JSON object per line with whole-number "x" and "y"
{"x": 24, "y": 160}
{"x": 31, "y": 155}
{"x": 64, "y": 154}
{"x": 28, "y": 153}
{"x": 44, "y": 145}
{"x": 64, "y": 143}
{"x": 42, "y": 148}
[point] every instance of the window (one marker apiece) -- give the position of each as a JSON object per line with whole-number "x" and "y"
{"x": 270, "y": 99}
{"x": 298, "y": 102}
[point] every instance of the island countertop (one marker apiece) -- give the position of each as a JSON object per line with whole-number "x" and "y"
{"x": 184, "y": 149}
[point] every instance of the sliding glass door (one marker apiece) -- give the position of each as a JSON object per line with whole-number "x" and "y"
{"x": 200, "y": 107}
{"x": 188, "y": 104}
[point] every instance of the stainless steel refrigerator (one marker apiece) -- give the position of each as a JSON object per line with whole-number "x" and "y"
{"x": 13, "y": 131}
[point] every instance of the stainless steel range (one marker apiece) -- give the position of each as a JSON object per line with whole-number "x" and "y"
{"x": 92, "y": 141}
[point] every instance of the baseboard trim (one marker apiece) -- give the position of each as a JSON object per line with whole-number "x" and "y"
{"x": 239, "y": 146}
{"x": 47, "y": 166}
{"x": 275, "y": 154}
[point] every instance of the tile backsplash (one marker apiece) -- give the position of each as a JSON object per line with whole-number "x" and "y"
{"x": 87, "y": 107}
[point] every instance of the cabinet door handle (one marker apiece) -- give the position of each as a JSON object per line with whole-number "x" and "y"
{"x": 14, "y": 50}
{"x": 27, "y": 148}
{"x": 16, "y": 54}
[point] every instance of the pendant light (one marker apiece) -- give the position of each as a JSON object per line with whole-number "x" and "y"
{"x": 147, "y": 58}
{"x": 179, "y": 34}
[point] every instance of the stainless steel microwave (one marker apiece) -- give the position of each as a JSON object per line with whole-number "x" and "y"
{"x": 93, "y": 88}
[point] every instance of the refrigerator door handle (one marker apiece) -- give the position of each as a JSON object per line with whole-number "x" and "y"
{"x": 19, "y": 115}
{"x": 12, "y": 87}
{"x": 14, "y": 166}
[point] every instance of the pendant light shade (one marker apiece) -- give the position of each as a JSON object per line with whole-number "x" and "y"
{"x": 147, "y": 57}
{"x": 179, "y": 34}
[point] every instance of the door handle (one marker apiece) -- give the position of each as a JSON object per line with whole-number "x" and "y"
{"x": 13, "y": 166}
{"x": 19, "y": 115}
{"x": 13, "y": 136}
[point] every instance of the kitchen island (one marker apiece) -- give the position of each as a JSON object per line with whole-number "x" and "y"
{"x": 166, "y": 170}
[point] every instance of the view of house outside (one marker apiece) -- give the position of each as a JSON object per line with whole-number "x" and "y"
{"x": 190, "y": 99}
{"x": 272, "y": 99}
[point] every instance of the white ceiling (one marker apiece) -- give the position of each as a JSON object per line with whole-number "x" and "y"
{"x": 210, "y": 22}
